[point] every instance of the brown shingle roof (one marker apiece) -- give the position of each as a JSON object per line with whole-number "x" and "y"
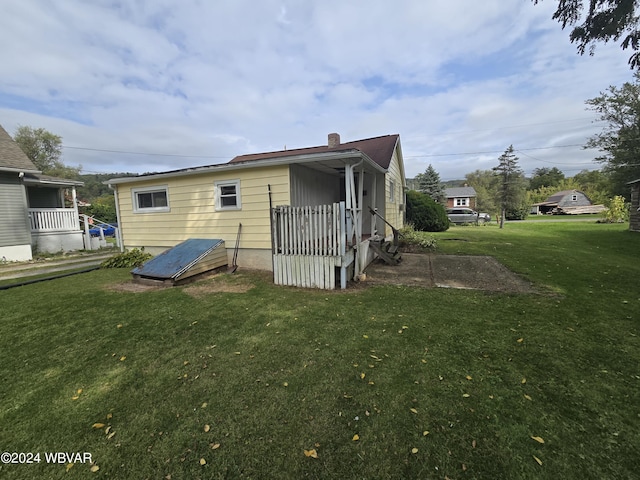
{"x": 11, "y": 155}
{"x": 379, "y": 149}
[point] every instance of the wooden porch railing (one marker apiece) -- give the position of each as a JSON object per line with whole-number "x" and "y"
{"x": 308, "y": 244}
{"x": 307, "y": 230}
{"x": 53, "y": 220}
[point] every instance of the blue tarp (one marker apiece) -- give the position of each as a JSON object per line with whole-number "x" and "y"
{"x": 173, "y": 262}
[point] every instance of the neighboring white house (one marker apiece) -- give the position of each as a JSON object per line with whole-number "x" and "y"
{"x": 33, "y": 215}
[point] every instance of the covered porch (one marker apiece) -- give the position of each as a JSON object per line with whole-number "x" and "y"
{"x": 322, "y": 239}
{"x": 53, "y": 214}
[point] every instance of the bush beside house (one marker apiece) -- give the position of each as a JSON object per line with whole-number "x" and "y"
{"x": 425, "y": 214}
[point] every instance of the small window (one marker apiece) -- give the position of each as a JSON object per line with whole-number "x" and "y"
{"x": 228, "y": 195}
{"x": 151, "y": 199}
{"x": 392, "y": 191}
{"x": 574, "y": 198}
{"x": 462, "y": 202}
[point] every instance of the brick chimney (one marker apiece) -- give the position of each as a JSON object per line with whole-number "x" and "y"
{"x": 334, "y": 140}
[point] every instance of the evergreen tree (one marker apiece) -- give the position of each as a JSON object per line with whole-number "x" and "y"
{"x": 512, "y": 192}
{"x": 430, "y": 184}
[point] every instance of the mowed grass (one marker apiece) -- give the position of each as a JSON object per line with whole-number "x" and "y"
{"x": 435, "y": 383}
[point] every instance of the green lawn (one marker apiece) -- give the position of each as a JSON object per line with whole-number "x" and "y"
{"x": 435, "y": 383}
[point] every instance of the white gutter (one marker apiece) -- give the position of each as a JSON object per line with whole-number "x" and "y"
{"x": 119, "y": 229}
{"x": 305, "y": 158}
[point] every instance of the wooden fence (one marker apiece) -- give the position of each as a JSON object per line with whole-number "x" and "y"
{"x": 308, "y": 244}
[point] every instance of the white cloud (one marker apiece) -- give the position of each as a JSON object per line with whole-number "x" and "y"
{"x": 211, "y": 80}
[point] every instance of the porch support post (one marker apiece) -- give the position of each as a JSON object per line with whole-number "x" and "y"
{"x": 76, "y": 216}
{"x": 343, "y": 245}
{"x": 373, "y": 201}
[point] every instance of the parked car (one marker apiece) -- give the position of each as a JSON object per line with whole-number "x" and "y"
{"x": 109, "y": 230}
{"x": 467, "y": 215}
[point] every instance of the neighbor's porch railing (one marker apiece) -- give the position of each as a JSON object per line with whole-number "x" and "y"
{"x": 53, "y": 219}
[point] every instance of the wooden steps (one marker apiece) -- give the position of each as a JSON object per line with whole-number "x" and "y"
{"x": 386, "y": 251}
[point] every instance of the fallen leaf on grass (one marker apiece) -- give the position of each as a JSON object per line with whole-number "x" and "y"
{"x": 468, "y": 377}
{"x": 527, "y": 396}
{"x": 207, "y": 428}
{"x": 203, "y": 461}
{"x": 98, "y": 425}
{"x": 356, "y": 437}
{"x": 520, "y": 340}
{"x": 69, "y": 466}
{"x": 123, "y": 358}
{"x": 537, "y": 460}
{"x": 204, "y": 405}
{"x": 215, "y": 446}
{"x": 362, "y": 375}
{"x": 119, "y": 325}
{"x": 538, "y": 439}
{"x": 466, "y": 395}
{"x": 523, "y": 381}
{"x": 110, "y": 436}
{"x": 363, "y": 336}
{"x": 473, "y": 444}
{"x": 94, "y": 468}
{"x": 414, "y": 450}
{"x": 413, "y": 410}
{"x": 285, "y": 384}
{"x": 425, "y": 433}
{"x": 311, "y": 453}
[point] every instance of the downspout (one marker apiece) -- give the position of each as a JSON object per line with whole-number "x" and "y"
{"x": 119, "y": 229}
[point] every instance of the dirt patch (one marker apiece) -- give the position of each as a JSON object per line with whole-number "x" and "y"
{"x": 449, "y": 271}
{"x": 222, "y": 284}
{"x": 133, "y": 287}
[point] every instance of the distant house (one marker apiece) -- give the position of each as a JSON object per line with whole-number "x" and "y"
{"x": 461, "y": 197}
{"x": 568, "y": 202}
{"x": 634, "y": 214}
{"x": 304, "y": 212}
{"x": 33, "y": 214}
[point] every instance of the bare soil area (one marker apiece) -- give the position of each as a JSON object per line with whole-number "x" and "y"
{"x": 448, "y": 271}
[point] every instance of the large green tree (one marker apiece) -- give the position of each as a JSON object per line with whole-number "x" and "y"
{"x": 487, "y": 187}
{"x": 429, "y": 183}
{"x": 546, "y": 177}
{"x": 512, "y": 196}
{"x": 601, "y": 21}
{"x": 44, "y": 149}
{"x": 619, "y": 140}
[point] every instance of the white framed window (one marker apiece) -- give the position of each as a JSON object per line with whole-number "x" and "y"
{"x": 151, "y": 199}
{"x": 392, "y": 191}
{"x": 574, "y": 198}
{"x": 462, "y": 202}
{"x": 228, "y": 195}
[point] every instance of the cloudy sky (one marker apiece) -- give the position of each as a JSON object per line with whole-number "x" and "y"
{"x": 152, "y": 85}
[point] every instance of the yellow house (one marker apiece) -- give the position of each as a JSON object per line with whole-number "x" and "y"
{"x": 304, "y": 212}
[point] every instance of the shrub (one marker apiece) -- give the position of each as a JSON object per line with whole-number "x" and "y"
{"x": 129, "y": 259}
{"x": 410, "y": 237}
{"x": 617, "y": 211}
{"x": 425, "y": 214}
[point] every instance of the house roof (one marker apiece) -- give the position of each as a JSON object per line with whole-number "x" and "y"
{"x": 633, "y": 182}
{"x": 12, "y": 158}
{"x": 40, "y": 179}
{"x": 378, "y": 149}
{"x": 454, "y": 192}
{"x": 377, "y": 152}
